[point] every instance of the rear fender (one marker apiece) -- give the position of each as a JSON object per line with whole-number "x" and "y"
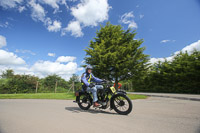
{"x": 80, "y": 92}
{"x": 83, "y": 93}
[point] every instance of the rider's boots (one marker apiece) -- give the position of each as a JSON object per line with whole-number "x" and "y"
{"x": 96, "y": 104}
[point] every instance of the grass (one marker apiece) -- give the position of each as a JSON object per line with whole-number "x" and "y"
{"x": 63, "y": 96}
{"x": 134, "y": 96}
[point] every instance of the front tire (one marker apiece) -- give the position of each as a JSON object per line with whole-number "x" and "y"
{"x": 83, "y": 102}
{"x": 121, "y": 104}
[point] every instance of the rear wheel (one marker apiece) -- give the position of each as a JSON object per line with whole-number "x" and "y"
{"x": 83, "y": 102}
{"x": 122, "y": 104}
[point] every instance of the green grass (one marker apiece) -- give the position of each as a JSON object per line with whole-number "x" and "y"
{"x": 64, "y": 96}
{"x": 134, "y": 96}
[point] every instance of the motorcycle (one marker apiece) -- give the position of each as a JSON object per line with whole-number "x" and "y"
{"x": 107, "y": 97}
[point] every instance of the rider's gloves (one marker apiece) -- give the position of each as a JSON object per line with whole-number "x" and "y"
{"x": 91, "y": 85}
{"x": 103, "y": 80}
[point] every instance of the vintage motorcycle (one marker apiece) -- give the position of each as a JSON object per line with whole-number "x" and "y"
{"x": 107, "y": 97}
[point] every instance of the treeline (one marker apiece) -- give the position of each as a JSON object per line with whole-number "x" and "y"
{"x": 181, "y": 75}
{"x": 15, "y": 83}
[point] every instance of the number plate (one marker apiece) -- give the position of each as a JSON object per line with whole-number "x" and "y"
{"x": 113, "y": 89}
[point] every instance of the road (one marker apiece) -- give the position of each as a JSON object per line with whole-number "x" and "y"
{"x": 193, "y": 97}
{"x": 152, "y": 115}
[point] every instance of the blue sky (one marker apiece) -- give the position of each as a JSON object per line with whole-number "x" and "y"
{"x": 32, "y": 29}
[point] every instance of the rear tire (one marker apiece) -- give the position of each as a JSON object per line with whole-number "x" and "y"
{"x": 83, "y": 102}
{"x": 123, "y": 102}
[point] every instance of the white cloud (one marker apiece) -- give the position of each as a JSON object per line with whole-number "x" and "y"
{"x": 38, "y": 12}
{"x": 4, "y": 25}
{"x": 80, "y": 69}
{"x": 54, "y": 3}
{"x": 165, "y": 41}
{"x": 17, "y": 69}
{"x": 55, "y": 26}
{"x": 21, "y": 8}
{"x": 189, "y": 48}
{"x": 42, "y": 68}
{"x": 128, "y": 18}
{"x": 24, "y": 51}
{"x": 39, "y": 68}
{"x": 10, "y": 3}
{"x": 66, "y": 59}
{"x": 73, "y": 27}
{"x": 141, "y": 16}
{"x": 91, "y": 12}
{"x": 87, "y": 13}
{"x": 52, "y": 54}
{"x": 2, "y": 41}
{"x": 47, "y": 21}
{"x": 48, "y": 67}
{"x": 9, "y": 58}
{"x": 45, "y": 68}
{"x": 155, "y": 60}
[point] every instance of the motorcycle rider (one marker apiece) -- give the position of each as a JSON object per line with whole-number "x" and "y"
{"x": 88, "y": 80}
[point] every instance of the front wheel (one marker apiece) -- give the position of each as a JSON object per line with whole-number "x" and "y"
{"x": 83, "y": 102}
{"x": 122, "y": 104}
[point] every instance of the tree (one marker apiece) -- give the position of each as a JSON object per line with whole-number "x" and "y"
{"x": 19, "y": 84}
{"x": 75, "y": 80}
{"x": 180, "y": 75}
{"x": 50, "y": 81}
{"x": 9, "y": 73}
{"x": 115, "y": 54}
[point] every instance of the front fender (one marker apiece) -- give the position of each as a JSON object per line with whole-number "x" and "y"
{"x": 118, "y": 93}
{"x": 122, "y": 91}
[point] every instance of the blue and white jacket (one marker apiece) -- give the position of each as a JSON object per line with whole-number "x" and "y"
{"x": 87, "y": 78}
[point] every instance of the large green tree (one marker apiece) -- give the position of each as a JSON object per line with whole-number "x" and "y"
{"x": 115, "y": 54}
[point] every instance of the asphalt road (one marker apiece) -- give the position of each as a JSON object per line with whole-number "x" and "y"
{"x": 193, "y": 97}
{"x": 152, "y": 115}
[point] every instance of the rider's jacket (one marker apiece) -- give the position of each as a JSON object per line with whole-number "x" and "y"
{"x": 87, "y": 78}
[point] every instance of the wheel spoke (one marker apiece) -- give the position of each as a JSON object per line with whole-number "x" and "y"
{"x": 121, "y": 103}
{"x": 117, "y": 106}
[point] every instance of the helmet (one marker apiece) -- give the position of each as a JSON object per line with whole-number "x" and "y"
{"x": 88, "y": 67}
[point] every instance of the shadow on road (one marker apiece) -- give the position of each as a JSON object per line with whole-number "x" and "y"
{"x": 93, "y": 111}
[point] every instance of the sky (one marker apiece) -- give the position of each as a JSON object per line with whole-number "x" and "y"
{"x": 43, "y": 37}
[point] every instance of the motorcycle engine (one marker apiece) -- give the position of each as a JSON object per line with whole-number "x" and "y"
{"x": 102, "y": 98}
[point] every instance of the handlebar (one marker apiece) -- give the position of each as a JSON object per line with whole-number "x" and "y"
{"x": 105, "y": 83}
